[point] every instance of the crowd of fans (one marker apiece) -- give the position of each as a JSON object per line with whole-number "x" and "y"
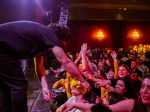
{"x": 114, "y": 77}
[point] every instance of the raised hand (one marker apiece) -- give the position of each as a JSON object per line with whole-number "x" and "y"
{"x": 84, "y": 49}
{"x": 114, "y": 55}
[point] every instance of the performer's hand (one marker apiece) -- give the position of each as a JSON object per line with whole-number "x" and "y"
{"x": 47, "y": 95}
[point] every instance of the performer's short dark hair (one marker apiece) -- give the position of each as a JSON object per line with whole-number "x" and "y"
{"x": 62, "y": 32}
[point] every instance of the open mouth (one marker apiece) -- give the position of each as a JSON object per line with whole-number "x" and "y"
{"x": 145, "y": 97}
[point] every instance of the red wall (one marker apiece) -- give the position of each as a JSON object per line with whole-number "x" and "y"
{"x": 144, "y": 30}
{"x": 115, "y": 31}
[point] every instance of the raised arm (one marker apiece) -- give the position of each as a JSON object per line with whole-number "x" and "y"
{"x": 84, "y": 107}
{"x": 85, "y": 64}
{"x": 123, "y": 106}
{"x": 114, "y": 56}
{"x": 68, "y": 65}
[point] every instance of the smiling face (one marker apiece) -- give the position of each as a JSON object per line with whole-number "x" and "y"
{"x": 133, "y": 65}
{"x": 78, "y": 89}
{"x": 120, "y": 87}
{"x": 122, "y": 72}
{"x": 100, "y": 65}
{"x": 110, "y": 75}
{"x": 80, "y": 67}
{"x": 145, "y": 91}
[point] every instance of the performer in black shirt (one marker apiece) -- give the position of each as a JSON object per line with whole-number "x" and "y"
{"x": 23, "y": 40}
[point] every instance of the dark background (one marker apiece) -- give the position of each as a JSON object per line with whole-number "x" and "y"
{"x": 115, "y": 17}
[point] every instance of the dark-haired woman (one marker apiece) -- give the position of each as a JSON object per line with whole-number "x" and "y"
{"x": 129, "y": 105}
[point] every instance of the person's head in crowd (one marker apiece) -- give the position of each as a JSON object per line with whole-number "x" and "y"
{"x": 134, "y": 76}
{"x": 140, "y": 61}
{"x": 110, "y": 62}
{"x": 123, "y": 87}
{"x": 134, "y": 68}
{"x": 108, "y": 52}
{"x": 120, "y": 86}
{"x": 123, "y": 71}
{"x": 132, "y": 54}
{"x": 104, "y": 60}
{"x": 78, "y": 89}
{"x": 80, "y": 67}
{"x": 133, "y": 64}
{"x": 114, "y": 97}
{"x": 145, "y": 90}
{"x": 100, "y": 65}
{"x": 110, "y": 74}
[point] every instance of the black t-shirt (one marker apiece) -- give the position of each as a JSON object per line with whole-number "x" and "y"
{"x": 25, "y": 39}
